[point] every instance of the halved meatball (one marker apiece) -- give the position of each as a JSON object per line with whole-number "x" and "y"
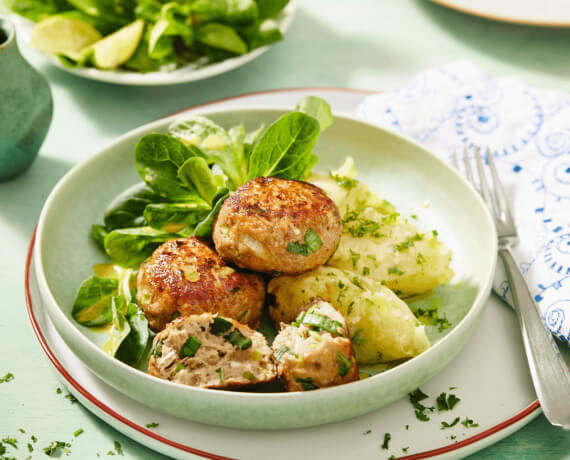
{"x": 209, "y": 351}
{"x": 315, "y": 351}
{"x": 275, "y": 225}
{"x": 186, "y": 276}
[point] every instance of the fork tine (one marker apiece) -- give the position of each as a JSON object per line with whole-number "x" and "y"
{"x": 484, "y": 187}
{"x": 499, "y": 195}
{"x": 468, "y": 168}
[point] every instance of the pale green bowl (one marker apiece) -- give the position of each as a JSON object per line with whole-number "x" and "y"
{"x": 399, "y": 169}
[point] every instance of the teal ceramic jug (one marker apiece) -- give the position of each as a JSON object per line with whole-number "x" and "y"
{"x": 26, "y": 107}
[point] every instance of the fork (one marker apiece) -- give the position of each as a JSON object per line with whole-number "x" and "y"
{"x": 548, "y": 370}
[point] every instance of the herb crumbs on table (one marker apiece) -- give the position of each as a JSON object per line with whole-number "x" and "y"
{"x": 445, "y": 425}
{"x": 56, "y": 446}
{"x": 7, "y": 378}
{"x": 405, "y": 449}
{"x": 367, "y": 432}
{"x": 30, "y": 448}
{"x": 71, "y": 398}
{"x": 78, "y": 432}
{"x": 152, "y": 425}
{"x": 118, "y": 448}
{"x": 468, "y": 423}
{"x": 58, "y": 390}
{"x": 407, "y": 427}
{"x": 387, "y": 438}
{"x": 445, "y": 402}
{"x": 21, "y": 430}
{"x": 11, "y": 441}
{"x": 34, "y": 439}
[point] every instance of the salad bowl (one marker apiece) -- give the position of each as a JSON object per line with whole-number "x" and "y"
{"x": 400, "y": 170}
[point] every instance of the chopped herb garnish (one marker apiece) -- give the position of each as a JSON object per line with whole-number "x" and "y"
{"x": 394, "y": 270}
{"x": 452, "y": 388}
{"x": 371, "y": 257}
{"x": 420, "y": 259}
{"x": 71, "y": 398}
{"x": 30, "y": 448}
{"x": 354, "y": 256}
{"x": 359, "y": 226}
{"x": 11, "y": 441}
{"x": 445, "y": 425}
{"x": 344, "y": 182}
{"x": 320, "y": 323}
{"x": 312, "y": 243}
{"x": 421, "y": 416}
{"x": 157, "y": 350}
{"x": 365, "y": 271}
{"x": 278, "y": 355}
{"x": 453, "y": 436}
{"x": 7, "y": 378}
{"x": 409, "y": 242}
{"x": 238, "y": 340}
{"x": 391, "y": 218}
{"x": 387, "y": 438}
{"x": 357, "y": 283}
{"x": 344, "y": 364}
{"x": 407, "y": 427}
{"x": 220, "y": 325}
{"x": 58, "y": 391}
{"x": 349, "y": 308}
{"x": 190, "y": 347}
{"x": 178, "y": 368}
{"x": 249, "y": 376}
{"x": 405, "y": 449}
{"x": 118, "y": 448}
{"x": 220, "y": 372}
{"x": 430, "y": 317}
{"x": 54, "y": 446}
{"x": 445, "y": 402}
{"x": 468, "y": 423}
{"x": 367, "y": 432}
{"x": 152, "y": 425}
{"x": 34, "y": 439}
{"x": 306, "y": 383}
{"x": 434, "y": 232}
{"x": 415, "y": 397}
{"x": 21, "y": 430}
{"x": 78, "y": 432}
{"x": 357, "y": 337}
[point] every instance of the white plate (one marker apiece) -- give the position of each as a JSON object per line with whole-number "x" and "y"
{"x": 498, "y": 394}
{"x": 548, "y": 13}
{"x": 182, "y": 75}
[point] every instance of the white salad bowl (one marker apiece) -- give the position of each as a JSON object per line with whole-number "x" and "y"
{"x": 400, "y": 170}
{"x": 184, "y": 74}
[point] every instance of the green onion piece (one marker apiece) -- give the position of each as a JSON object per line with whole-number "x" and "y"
{"x": 220, "y": 372}
{"x": 297, "y": 248}
{"x": 157, "y": 350}
{"x": 237, "y": 339}
{"x": 249, "y": 376}
{"x": 313, "y": 240}
{"x": 220, "y": 325}
{"x": 190, "y": 347}
{"x": 344, "y": 364}
{"x": 321, "y": 323}
{"x": 178, "y": 368}
{"x": 306, "y": 383}
{"x": 278, "y": 355}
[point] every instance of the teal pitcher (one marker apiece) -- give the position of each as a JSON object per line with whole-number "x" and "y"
{"x": 26, "y": 107}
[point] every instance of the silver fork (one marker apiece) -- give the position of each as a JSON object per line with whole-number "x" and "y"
{"x": 548, "y": 370}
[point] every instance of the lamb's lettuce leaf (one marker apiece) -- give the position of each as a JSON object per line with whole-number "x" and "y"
{"x": 132, "y": 345}
{"x": 92, "y": 306}
{"x": 36, "y": 10}
{"x": 204, "y": 228}
{"x": 270, "y": 8}
{"x": 180, "y": 218}
{"x": 221, "y": 36}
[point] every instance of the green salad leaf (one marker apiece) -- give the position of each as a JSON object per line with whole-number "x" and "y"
{"x": 36, "y": 10}
{"x": 317, "y": 108}
{"x": 92, "y": 306}
{"x": 270, "y": 8}
{"x": 180, "y": 218}
{"x": 136, "y": 343}
{"x": 204, "y": 228}
{"x": 221, "y": 36}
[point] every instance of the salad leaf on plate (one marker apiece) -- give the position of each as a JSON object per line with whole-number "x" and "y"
{"x": 221, "y": 36}
{"x": 132, "y": 347}
{"x": 180, "y": 218}
{"x": 204, "y": 228}
{"x": 36, "y": 10}
{"x": 317, "y": 108}
{"x": 92, "y": 306}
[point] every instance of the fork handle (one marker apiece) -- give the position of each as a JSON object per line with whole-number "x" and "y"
{"x": 548, "y": 370}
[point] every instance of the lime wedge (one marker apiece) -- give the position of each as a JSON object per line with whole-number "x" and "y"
{"x": 117, "y": 48}
{"x": 61, "y": 35}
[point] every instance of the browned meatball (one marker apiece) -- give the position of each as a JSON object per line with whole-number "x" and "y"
{"x": 186, "y": 277}
{"x": 209, "y": 351}
{"x": 315, "y": 351}
{"x": 275, "y": 225}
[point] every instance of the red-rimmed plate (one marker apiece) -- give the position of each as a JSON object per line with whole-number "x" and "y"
{"x": 496, "y": 393}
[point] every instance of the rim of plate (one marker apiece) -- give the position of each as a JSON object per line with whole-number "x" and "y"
{"x": 527, "y": 411}
{"x": 178, "y": 76}
{"x": 495, "y": 17}
{"x": 477, "y": 305}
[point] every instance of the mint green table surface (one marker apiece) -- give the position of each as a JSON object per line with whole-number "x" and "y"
{"x": 369, "y": 44}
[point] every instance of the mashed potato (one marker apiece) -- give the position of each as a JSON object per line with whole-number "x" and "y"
{"x": 382, "y": 326}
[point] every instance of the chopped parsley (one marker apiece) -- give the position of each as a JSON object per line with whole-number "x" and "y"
{"x": 420, "y": 259}
{"x": 21, "y": 430}
{"x": 312, "y": 243}
{"x": 238, "y": 340}
{"x": 220, "y": 372}
{"x": 34, "y": 439}
{"x": 220, "y": 325}
{"x": 365, "y": 271}
{"x": 390, "y": 218}
{"x": 118, "y": 448}
{"x": 72, "y": 399}
{"x": 445, "y": 402}
{"x": 371, "y": 257}
{"x": 394, "y": 271}
{"x": 344, "y": 364}
{"x": 152, "y": 425}
{"x": 387, "y": 437}
{"x": 190, "y": 347}
{"x": 78, "y": 432}
{"x": 367, "y": 432}
{"x": 306, "y": 383}
{"x": 55, "y": 446}
{"x": 468, "y": 423}
{"x": 357, "y": 337}
{"x": 354, "y": 256}
{"x": 445, "y": 425}
{"x": 405, "y": 449}
{"x": 30, "y": 448}
{"x": 7, "y": 378}
{"x": 58, "y": 391}
{"x": 434, "y": 233}
{"x": 344, "y": 182}
{"x": 358, "y": 226}
{"x": 409, "y": 242}
{"x": 430, "y": 317}
{"x": 11, "y": 441}
{"x": 357, "y": 283}
{"x": 415, "y": 397}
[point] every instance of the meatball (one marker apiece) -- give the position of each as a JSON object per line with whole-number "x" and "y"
{"x": 275, "y": 225}
{"x": 315, "y": 351}
{"x": 209, "y": 351}
{"x": 183, "y": 277}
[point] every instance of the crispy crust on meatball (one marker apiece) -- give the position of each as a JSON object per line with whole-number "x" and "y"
{"x": 263, "y": 226}
{"x": 186, "y": 276}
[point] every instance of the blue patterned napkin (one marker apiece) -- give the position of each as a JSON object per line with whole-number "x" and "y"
{"x": 528, "y": 130}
